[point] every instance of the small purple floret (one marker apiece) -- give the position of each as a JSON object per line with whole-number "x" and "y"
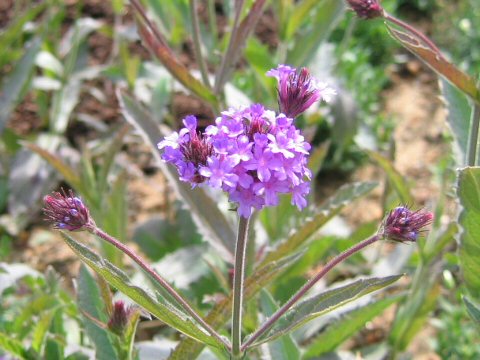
{"x": 66, "y": 211}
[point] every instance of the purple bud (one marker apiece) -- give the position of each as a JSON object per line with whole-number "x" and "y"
{"x": 405, "y": 225}
{"x": 66, "y": 211}
{"x": 366, "y": 9}
{"x": 120, "y": 317}
{"x": 298, "y": 90}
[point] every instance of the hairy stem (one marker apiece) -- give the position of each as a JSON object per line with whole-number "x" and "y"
{"x": 163, "y": 283}
{"x": 310, "y": 283}
{"x": 238, "y": 278}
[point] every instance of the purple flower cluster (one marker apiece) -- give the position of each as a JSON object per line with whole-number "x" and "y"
{"x": 66, "y": 211}
{"x": 298, "y": 90}
{"x": 251, "y": 153}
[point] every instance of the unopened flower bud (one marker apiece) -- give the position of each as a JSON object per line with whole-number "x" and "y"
{"x": 121, "y": 316}
{"x": 66, "y": 211}
{"x": 404, "y": 225}
{"x": 366, "y": 9}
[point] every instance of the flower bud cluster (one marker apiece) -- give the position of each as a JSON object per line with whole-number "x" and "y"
{"x": 366, "y": 9}
{"x": 251, "y": 153}
{"x": 66, "y": 211}
{"x": 405, "y": 225}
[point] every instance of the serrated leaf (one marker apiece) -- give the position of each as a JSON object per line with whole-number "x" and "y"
{"x": 473, "y": 310}
{"x": 210, "y": 222}
{"x": 284, "y": 348}
{"x": 347, "y": 326}
{"x": 458, "y": 117}
{"x": 344, "y": 196}
{"x": 13, "y": 85}
{"x": 468, "y": 191}
{"x": 396, "y": 179}
{"x": 323, "y": 303}
{"x": 221, "y": 313}
{"x": 90, "y": 301}
{"x": 437, "y": 63}
{"x": 119, "y": 280}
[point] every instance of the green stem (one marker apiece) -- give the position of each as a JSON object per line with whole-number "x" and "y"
{"x": 310, "y": 283}
{"x": 238, "y": 278}
{"x": 197, "y": 48}
{"x": 473, "y": 146}
{"x": 163, "y": 283}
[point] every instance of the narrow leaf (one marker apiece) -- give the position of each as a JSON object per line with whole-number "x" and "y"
{"x": 438, "y": 63}
{"x": 347, "y": 326}
{"x": 41, "y": 328}
{"x": 118, "y": 279}
{"x": 323, "y": 303}
{"x": 90, "y": 301}
{"x": 469, "y": 255}
{"x": 13, "y": 85}
{"x": 12, "y": 346}
{"x": 210, "y": 222}
{"x": 344, "y": 196}
{"x": 473, "y": 310}
{"x": 175, "y": 67}
{"x": 396, "y": 179}
{"x": 284, "y": 348}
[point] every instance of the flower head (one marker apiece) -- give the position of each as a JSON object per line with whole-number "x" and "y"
{"x": 298, "y": 90}
{"x": 121, "y": 316}
{"x": 66, "y": 211}
{"x": 251, "y": 153}
{"x": 405, "y": 225}
{"x": 366, "y": 9}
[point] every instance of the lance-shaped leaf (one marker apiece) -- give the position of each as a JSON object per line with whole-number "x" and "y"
{"x": 473, "y": 310}
{"x": 164, "y": 311}
{"x": 221, "y": 313}
{"x": 237, "y": 43}
{"x": 211, "y": 223}
{"x": 344, "y": 196}
{"x": 13, "y": 347}
{"x": 469, "y": 255}
{"x": 175, "y": 67}
{"x": 347, "y": 326}
{"x": 438, "y": 63}
{"x": 323, "y": 303}
{"x": 396, "y": 179}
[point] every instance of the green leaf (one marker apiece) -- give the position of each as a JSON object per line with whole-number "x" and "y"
{"x": 458, "y": 117}
{"x": 437, "y": 63}
{"x": 324, "y": 303}
{"x": 13, "y": 346}
{"x": 16, "y": 81}
{"x": 90, "y": 301}
{"x": 396, "y": 179}
{"x": 284, "y": 348}
{"x": 473, "y": 310}
{"x": 211, "y": 223}
{"x": 468, "y": 191}
{"x": 221, "y": 313}
{"x": 41, "y": 328}
{"x": 347, "y": 326}
{"x": 326, "y": 15}
{"x": 344, "y": 196}
{"x": 119, "y": 280}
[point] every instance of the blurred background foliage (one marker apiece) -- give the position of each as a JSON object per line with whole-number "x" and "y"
{"x": 73, "y": 71}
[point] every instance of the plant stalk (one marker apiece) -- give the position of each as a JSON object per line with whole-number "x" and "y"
{"x": 473, "y": 147}
{"x": 310, "y": 283}
{"x": 163, "y": 283}
{"x": 238, "y": 278}
{"x": 197, "y": 47}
